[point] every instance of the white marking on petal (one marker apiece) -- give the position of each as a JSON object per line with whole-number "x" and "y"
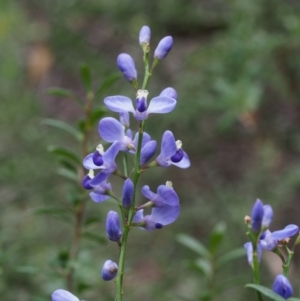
{"x": 178, "y": 144}
{"x": 169, "y": 184}
{"x": 100, "y": 149}
{"x": 91, "y": 174}
{"x": 142, "y": 93}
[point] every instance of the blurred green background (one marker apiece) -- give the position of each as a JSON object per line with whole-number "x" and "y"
{"x": 236, "y": 67}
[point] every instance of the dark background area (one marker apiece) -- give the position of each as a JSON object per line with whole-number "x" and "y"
{"x": 236, "y": 67}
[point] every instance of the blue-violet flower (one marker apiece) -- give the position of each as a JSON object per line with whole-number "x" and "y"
{"x": 282, "y": 287}
{"x": 158, "y": 105}
{"x": 126, "y": 65}
{"x": 113, "y": 228}
{"x": 63, "y": 295}
{"x": 171, "y": 152}
{"x": 109, "y": 270}
{"x": 128, "y": 190}
{"x": 145, "y": 35}
{"x": 165, "y": 207}
{"x": 163, "y": 48}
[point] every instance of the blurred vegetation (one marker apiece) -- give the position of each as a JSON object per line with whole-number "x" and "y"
{"x": 236, "y": 67}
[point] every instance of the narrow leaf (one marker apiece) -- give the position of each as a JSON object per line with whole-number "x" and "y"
{"x": 216, "y": 237}
{"x": 65, "y": 153}
{"x": 265, "y": 291}
{"x": 108, "y": 82}
{"x": 68, "y": 174}
{"x": 96, "y": 115}
{"x": 86, "y": 77}
{"x": 204, "y": 266}
{"x": 63, "y": 126}
{"x": 234, "y": 254}
{"x": 94, "y": 237}
{"x": 192, "y": 244}
{"x": 64, "y": 93}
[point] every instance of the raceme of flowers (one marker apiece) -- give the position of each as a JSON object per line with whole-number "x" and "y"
{"x": 120, "y": 139}
{"x": 258, "y": 224}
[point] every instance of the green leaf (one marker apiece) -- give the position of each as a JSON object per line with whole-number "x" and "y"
{"x": 204, "y": 267}
{"x": 108, "y": 82}
{"x": 293, "y": 299}
{"x": 64, "y": 93}
{"x": 234, "y": 254}
{"x": 86, "y": 77}
{"x": 96, "y": 115}
{"x": 63, "y": 126}
{"x": 47, "y": 210}
{"x": 92, "y": 220}
{"x": 95, "y": 237}
{"x": 65, "y": 153}
{"x": 265, "y": 291}
{"x": 216, "y": 237}
{"x": 73, "y": 176}
{"x": 192, "y": 244}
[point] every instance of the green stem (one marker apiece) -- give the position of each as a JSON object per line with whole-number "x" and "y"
{"x": 147, "y": 72}
{"x": 286, "y": 266}
{"x": 125, "y": 164}
{"x": 127, "y": 225}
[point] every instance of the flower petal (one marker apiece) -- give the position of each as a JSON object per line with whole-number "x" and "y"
{"x": 165, "y": 215}
{"x": 169, "y": 92}
{"x": 168, "y": 195}
{"x": 110, "y": 155}
{"x": 98, "y": 198}
{"x": 139, "y": 216}
{"x": 148, "y": 151}
{"x": 287, "y": 232}
{"x": 161, "y": 105}
{"x": 148, "y": 193}
{"x": 268, "y": 216}
{"x": 168, "y": 145}
{"x": 88, "y": 162}
{"x": 184, "y": 162}
{"x": 110, "y": 129}
{"x": 63, "y": 295}
{"x": 100, "y": 177}
{"x": 282, "y": 287}
{"x": 119, "y": 104}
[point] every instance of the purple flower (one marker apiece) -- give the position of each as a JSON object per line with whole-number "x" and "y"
{"x": 126, "y": 65}
{"x": 104, "y": 160}
{"x": 165, "y": 207}
{"x": 145, "y": 35}
{"x": 249, "y": 248}
{"x": 163, "y": 47}
{"x": 257, "y": 216}
{"x": 63, "y": 295}
{"x": 113, "y": 228}
{"x": 109, "y": 270}
{"x": 100, "y": 187}
{"x": 269, "y": 240}
{"x": 172, "y": 153}
{"x": 169, "y": 92}
{"x": 148, "y": 147}
{"x": 282, "y": 287}
{"x": 127, "y": 196}
{"x": 158, "y": 105}
{"x": 111, "y": 130}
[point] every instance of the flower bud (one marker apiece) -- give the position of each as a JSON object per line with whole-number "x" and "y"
{"x": 109, "y": 270}
{"x": 282, "y": 287}
{"x": 113, "y": 228}
{"x": 148, "y": 151}
{"x": 126, "y": 65}
{"x": 257, "y": 216}
{"x": 163, "y": 48}
{"x": 63, "y": 295}
{"x": 145, "y": 35}
{"x": 127, "y": 193}
{"x": 169, "y": 92}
